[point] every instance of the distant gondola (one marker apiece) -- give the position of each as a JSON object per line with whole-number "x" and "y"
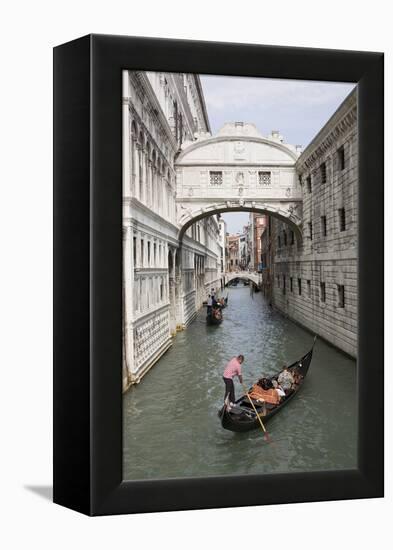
{"x": 212, "y": 319}
{"x": 242, "y": 418}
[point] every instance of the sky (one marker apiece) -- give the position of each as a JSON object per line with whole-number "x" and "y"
{"x": 297, "y": 108}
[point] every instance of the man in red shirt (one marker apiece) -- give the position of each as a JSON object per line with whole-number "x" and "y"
{"x": 232, "y": 369}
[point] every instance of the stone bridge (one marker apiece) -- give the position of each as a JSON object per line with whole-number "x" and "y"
{"x": 250, "y": 275}
{"x": 238, "y": 170}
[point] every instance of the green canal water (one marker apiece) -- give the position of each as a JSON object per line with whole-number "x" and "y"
{"x": 170, "y": 422}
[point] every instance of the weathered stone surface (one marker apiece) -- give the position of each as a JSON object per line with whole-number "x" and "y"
{"x": 330, "y": 258}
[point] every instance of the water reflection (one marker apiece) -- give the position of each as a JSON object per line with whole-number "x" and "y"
{"x": 171, "y": 428}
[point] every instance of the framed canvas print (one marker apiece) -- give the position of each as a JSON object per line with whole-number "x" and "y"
{"x": 218, "y": 275}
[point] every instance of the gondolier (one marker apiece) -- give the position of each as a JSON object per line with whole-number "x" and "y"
{"x": 232, "y": 369}
{"x": 248, "y": 409}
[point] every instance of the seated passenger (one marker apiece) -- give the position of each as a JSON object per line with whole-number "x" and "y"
{"x": 278, "y": 389}
{"x": 268, "y": 396}
{"x": 285, "y": 379}
{"x": 297, "y": 377}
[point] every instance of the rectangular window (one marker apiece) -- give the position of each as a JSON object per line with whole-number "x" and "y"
{"x": 323, "y": 172}
{"x": 155, "y": 254}
{"x": 309, "y": 288}
{"x": 148, "y": 252}
{"x": 309, "y": 184}
{"x": 292, "y": 237}
{"x": 215, "y": 178}
{"x": 299, "y": 286}
{"x": 134, "y": 250}
{"x": 323, "y": 292}
{"x": 323, "y": 226}
{"x": 142, "y": 253}
{"x": 291, "y": 283}
{"x": 341, "y": 296}
{"x": 341, "y": 217}
{"x": 285, "y": 238}
{"x": 161, "y": 291}
{"x": 264, "y": 178}
{"x": 341, "y": 158}
{"x": 279, "y": 241}
{"x": 310, "y": 230}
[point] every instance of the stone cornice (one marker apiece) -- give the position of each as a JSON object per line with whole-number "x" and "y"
{"x": 219, "y": 139}
{"x": 342, "y": 122}
{"x": 202, "y": 101}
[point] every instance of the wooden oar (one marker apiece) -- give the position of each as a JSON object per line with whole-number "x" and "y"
{"x": 266, "y": 435}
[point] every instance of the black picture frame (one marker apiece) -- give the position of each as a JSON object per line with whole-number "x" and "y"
{"x": 88, "y": 273}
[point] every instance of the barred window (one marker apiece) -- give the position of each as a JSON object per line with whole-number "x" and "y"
{"x": 341, "y": 296}
{"x": 264, "y": 178}
{"x": 309, "y": 184}
{"x": 291, "y": 283}
{"x": 341, "y": 158}
{"x": 323, "y": 226}
{"x": 341, "y": 215}
{"x": 215, "y": 178}
{"x": 323, "y": 172}
{"x": 323, "y": 292}
{"x": 299, "y": 286}
{"x": 310, "y": 230}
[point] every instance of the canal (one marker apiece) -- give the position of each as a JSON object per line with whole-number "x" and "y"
{"x": 170, "y": 422}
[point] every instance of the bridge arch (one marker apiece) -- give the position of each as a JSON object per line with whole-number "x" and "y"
{"x": 250, "y": 276}
{"x": 285, "y": 213}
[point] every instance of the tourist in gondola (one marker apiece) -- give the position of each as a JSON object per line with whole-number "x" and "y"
{"x": 209, "y": 304}
{"x": 285, "y": 379}
{"x": 232, "y": 369}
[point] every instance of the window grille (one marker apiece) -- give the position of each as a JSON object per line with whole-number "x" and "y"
{"x": 323, "y": 172}
{"x": 323, "y": 292}
{"x": 341, "y": 296}
{"x": 323, "y": 226}
{"x": 341, "y": 158}
{"x": 215, "y": 178}
{"x": 341, "y": 214}
{"x": 264, "y": 178}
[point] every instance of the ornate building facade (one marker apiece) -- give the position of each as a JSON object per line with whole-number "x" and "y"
{"x": 315, "y": 282}
{"x": 165, "y": 279}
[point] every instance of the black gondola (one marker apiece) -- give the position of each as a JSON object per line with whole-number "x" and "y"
{"x": 212, "y": 319}
{"x": 242, "y": 418}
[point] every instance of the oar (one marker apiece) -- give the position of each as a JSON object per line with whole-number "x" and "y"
{"x": 266, "y": 435}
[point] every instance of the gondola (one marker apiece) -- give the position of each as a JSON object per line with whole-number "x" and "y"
{"x": 242, "y": 418}
{"x": 212, "y": 319}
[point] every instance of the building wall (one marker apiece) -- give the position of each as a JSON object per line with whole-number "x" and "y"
{"x": 309, "y": 277}
{"x": 163, "y": 283}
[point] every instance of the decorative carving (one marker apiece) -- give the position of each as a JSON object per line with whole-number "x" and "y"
{"x": 240, "y": 178}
